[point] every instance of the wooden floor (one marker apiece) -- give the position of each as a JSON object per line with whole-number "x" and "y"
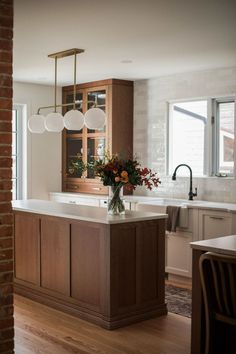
{"x": 42, "y": 330}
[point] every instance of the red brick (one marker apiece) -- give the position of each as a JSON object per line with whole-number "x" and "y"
{"x": 5, "y": 208}
{"x": 6, "y": 68}
{"x": 6, "y": 91}
{"x": 6, "y": 323}
{"x": 6, "y": 266}
{"x": 5, "y": 173}
{"x": 6, "y": 311}
{"x": 6, "y": 10}
{"x": 8, "y": 333}
{"x": 6, "y": 300}
{"x": 5, "y": 57}
{"x": 6, "y": 21}
{"x": 5, "y": 80}
{"x": 5, "y": 103}
{"x": 5, "y": 161}
{"x": 5, "y": 138}
{"x": 6, "y": 230}
{"x": 5, "y": 126}
{"x": 6, "y": 255}
{"x": 6, "y": 289}
{"x": 5, "y": 196}
{"x": 5, "y": 150}
{"x": 6, "y": 219}
{"x": 5, "y": 44}
{"x": 7, "y": 2}
{"x": 6, "y": 33}
{"x": 5, "y": 185}
{"x": 7, "y": 347}
{"x": 6, "y": 277}
{"x": 6, "y": 242}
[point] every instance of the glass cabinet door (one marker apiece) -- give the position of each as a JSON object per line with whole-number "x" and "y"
{"x": 97, "y": 98}
{"x": 95, "y": 151}
{"x": 74, "y": 155}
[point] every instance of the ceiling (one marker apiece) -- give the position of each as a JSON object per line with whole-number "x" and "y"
{"x": 126, "y": 39}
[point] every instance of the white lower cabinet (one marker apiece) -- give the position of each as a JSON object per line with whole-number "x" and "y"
{"x": 74, "y": 199}
{"x": 213, "y": 223}
{"x": 178, "y": 253}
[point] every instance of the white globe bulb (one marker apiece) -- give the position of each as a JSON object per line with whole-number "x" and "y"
{"x": 74, "y": 120}
{"x": 54, "y": 122}
{"x": 36, "y": 124}
{"x": 95, "y": 118}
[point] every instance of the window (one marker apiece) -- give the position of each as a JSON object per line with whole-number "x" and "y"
{"x": 201, "y": 134}
{"x": 17, "y": 148}
{"x": 225, "y": 137}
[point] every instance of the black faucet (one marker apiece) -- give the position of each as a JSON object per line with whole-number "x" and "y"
{"x": 190, "y": 194}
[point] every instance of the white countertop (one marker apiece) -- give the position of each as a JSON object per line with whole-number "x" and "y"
{"x": 198, "y": 204}
{"x": 81, "y": 212}
{"x": 224, "y": 245}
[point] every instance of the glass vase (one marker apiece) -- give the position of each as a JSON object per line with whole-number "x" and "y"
{"x": 115, "y": 202}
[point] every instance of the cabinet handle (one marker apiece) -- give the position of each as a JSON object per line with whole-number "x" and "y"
{"x": 73, "y": 187}
{"x": 217, "y": 217}
{"x": 72, "y": 201}
{"x": 105, "y": 202}
{"x": 96, "y": 188}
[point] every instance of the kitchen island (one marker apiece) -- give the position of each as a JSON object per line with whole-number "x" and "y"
{"x": 106, "y": 269}
{"x": 224, "y": 337}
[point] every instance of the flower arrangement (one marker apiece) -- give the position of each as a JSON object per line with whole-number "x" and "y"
{"x": 116, "y": 172}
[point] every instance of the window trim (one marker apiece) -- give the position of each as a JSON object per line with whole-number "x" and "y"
{"x": 211, "y": 154}
{"x": 21, "y": 169}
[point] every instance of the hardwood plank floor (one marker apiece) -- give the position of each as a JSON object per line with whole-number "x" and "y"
{"x": 42, "y": 330}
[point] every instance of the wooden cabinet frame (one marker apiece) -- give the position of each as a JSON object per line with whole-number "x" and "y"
{"x": 118, "y": 134}
{"x": 111, "y": 275}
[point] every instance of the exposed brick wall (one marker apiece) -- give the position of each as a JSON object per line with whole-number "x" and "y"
{"x": 6, "y": 230}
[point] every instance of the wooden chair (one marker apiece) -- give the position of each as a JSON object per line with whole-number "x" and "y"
{"x": 218, "y": 279}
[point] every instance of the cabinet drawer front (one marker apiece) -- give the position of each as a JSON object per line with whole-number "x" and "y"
{"x": 214, "y": 224}
{"x": 95, "y": 188}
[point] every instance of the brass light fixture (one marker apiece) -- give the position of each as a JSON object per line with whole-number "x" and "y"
{"x": 94, "y": 118}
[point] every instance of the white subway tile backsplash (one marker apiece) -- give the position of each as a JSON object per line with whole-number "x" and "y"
{"x": 150, "y": 112}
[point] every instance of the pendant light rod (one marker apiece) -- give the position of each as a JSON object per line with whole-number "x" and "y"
{"x": 74, "y": 79}
{"x": 55, "y": 87}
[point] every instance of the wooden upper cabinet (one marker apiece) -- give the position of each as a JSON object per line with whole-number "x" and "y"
{"x": 115, "y": 97}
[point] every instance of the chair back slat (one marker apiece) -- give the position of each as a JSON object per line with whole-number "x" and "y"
{"x": 224, "y": 288}
{"x": 232, "y": 286}
{"x": 216, "y": 285}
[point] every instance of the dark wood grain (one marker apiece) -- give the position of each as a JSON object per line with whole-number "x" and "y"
{"x": 112, "y": 275}
{"x": 118, "y": 135}
{"x": 27, "y": 242}
{"x": 55, "y": 255}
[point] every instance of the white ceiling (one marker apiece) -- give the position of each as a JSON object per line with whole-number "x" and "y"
{"x": 160, "y": 37}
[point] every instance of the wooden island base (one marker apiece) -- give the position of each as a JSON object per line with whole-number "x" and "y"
{"x": 109, "y": 274}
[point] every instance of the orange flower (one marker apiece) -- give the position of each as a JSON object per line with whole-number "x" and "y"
{"x": 124, "y": 174}
{"x": 117, "y": 179}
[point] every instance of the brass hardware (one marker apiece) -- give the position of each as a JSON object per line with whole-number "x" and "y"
{"x": 66, "y": 53}
{"x": 217, "y": 217}
{"x": 60, "y": 55}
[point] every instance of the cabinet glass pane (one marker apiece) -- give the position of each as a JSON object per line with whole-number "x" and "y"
{"x": 74, "y": 150}
{"x": 69, "y": 99}
{"x": 95, "y": 151}
{"x": 98, "y": 98}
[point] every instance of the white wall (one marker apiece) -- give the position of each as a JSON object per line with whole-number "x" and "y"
{"x": 43, "y": 150}
{"x": 150, "y": 128}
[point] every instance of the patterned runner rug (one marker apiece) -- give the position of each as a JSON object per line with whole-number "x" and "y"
{"x": 179, "y": 300}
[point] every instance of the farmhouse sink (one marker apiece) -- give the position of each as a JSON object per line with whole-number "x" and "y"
{"x": 160, "y": 206}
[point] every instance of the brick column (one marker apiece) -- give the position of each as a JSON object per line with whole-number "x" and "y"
{"x": 6, "y": 230}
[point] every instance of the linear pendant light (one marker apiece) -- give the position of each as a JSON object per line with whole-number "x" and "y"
{"x": 74, "y": 119}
